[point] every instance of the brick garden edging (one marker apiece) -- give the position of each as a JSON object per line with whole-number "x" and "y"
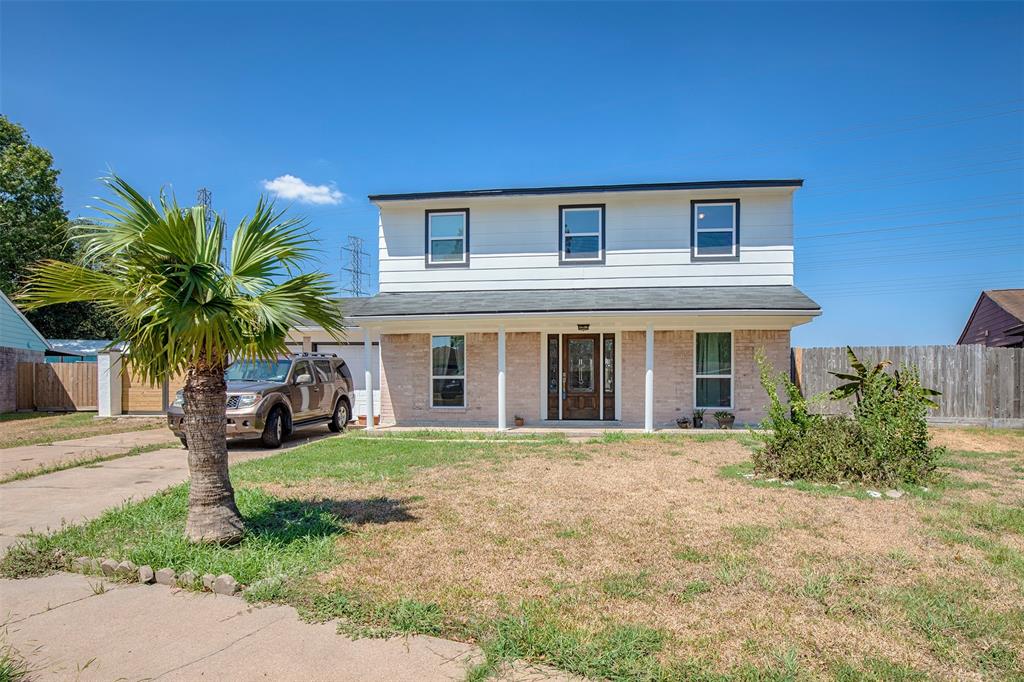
{"x": 126, "y": 571}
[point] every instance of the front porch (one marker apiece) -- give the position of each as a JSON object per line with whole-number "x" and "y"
{"x": 639, "y": 357}
{"x": 578, "y": 377}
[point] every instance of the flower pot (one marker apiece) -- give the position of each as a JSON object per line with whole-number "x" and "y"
{"x": 698, "y": 422}
{"x": 683, "y": 423}
{"x": 519, "y": 421}
{"x": 727, "y": 423}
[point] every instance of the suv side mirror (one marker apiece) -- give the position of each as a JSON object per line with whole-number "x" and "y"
{"x": 303, "y": 379}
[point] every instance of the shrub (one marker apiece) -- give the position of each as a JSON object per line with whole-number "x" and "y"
{"x": 884, "y": 442}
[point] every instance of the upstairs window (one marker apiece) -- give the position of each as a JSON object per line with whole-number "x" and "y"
{"x": 447, "y": 237}
{"x": 581, "y": 233}
{"x": 715, "y": 233}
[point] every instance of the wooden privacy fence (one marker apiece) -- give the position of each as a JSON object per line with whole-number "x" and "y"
{"x": 140, "y": 397}
{"x": 979, "y": 385}
{"x": 57, "y": 387}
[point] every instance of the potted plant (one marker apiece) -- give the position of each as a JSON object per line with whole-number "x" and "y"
{"x": 519, "y": 421}
{"x": 725, "y": 419}
{"x": 683, "y": 422}
{"x": 698, "y": 418}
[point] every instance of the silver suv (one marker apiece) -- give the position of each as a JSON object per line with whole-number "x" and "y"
{"x": 270, "y": 399}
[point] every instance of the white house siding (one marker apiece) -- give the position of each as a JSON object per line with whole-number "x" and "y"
{"x": 514, "y": 243}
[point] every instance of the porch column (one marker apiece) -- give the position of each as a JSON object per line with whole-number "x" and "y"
{"x": 368, "y": 363}
{"x": 649, "y": 382}
{"x": 108, "y": 376}
{"x": 502, "y": 417}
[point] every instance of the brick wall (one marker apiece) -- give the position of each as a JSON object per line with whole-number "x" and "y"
{"x": 405, "y": 380}
{"x": 9, "y": 359}
{"x": 673, "y": 374}
{"x": 750, "y": 399}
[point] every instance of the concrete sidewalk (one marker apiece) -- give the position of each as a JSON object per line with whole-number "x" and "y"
{"x": 134, "y": 632}
{"x": 31, "y": 457}
{"x": 73, "y": 495}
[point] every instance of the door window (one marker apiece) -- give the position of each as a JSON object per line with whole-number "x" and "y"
{"x": 581, "y": 366}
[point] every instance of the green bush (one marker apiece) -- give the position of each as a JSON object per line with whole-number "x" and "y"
{"x": 884, "y": 442}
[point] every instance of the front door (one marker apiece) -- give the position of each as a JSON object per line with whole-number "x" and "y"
{"x": 581, "y": 376}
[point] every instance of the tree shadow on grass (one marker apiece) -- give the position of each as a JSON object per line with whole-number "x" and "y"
{"x": 289, "y": 520}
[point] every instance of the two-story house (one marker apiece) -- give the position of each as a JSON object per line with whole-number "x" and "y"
{"x": 632, "y": 304}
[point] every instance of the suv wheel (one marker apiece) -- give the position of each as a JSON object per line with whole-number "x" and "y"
{"x": 273, "y": 430}
{"x": 340, "y": 419}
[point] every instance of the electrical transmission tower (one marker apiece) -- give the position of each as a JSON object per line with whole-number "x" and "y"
{"x": 354, "y": 267}
{"x": 204, "y": 197}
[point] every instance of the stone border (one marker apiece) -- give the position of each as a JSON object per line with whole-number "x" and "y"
{"x": 126, "y": 571}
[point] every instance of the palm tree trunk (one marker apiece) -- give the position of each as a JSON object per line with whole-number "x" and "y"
{"x": 212, "y": 513}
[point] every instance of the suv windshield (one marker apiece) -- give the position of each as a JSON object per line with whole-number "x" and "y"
{"x": 258, "y": 370}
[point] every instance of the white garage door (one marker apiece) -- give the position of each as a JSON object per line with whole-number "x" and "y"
{"x": 353, "y": 356}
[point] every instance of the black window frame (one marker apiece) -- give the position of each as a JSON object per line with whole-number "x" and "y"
{"x": 562, "y": 260}
{"x": 694, "y": 256}
{"x": 464, "y": 263}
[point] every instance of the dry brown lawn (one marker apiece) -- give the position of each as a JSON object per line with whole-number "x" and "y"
{"x": 650, "y": 532}
{"x": 18, "y": 429}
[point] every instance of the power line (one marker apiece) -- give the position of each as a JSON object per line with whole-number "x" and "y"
{"x": 912, "y": 227}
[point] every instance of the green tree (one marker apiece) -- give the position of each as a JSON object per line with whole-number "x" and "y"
{"x": 33, "y": 227}
{"x": 183, "y": 306}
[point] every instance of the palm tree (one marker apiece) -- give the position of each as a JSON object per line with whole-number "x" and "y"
{"x": 182, "y": 306}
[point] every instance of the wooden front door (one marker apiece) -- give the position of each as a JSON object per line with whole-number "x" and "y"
{"x": 581, "y": 376}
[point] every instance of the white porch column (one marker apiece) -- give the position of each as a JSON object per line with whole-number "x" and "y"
{"x": 649, "y": 382}
{"x": 108, "y": 377}
{"x": 368, "y": 363}
{"x": 502, "y": 417}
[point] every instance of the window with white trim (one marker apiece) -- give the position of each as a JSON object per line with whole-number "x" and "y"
{"x": 581, "y": 233}
{"x": 715, "y": 229}
{"x": 448, "y": 237}
{"x": 713, "y": 370}
{"x": 448, "y": 371}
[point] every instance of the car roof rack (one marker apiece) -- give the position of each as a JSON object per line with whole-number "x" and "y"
{"x": 303, "y": 354}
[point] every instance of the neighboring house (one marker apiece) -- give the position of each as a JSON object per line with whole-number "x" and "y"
{"x": 78, "y": 350}
{"x": 19, "y": 342}
{"x": 624, "y": 304}
{"x": 997, "y": 320}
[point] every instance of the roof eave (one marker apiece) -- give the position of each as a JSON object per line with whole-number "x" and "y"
{"x": 792, "y": 183}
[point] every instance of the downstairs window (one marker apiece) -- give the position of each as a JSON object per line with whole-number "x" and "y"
{"x": 713, "y": 370}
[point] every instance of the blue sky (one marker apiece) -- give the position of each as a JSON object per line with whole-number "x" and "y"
{"x": 907, "y": 120}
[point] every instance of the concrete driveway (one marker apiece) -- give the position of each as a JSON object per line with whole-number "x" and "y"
{"x": 30, "y": 457}
{"x": 73, "y": 495}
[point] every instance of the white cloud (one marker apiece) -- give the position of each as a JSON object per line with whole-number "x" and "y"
{"x": 296, "y": 189}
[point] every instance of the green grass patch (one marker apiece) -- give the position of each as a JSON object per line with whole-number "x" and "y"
{"x": 959, "y": 630}
{"x": 283, "y": 538}
{"x": 744, "y": 473}
{"x": 690, "y": 554}
{"x": 626, "y": 585}
{"x": 86, "y": 461}
{"x": 749, "y": 535}
{"x": 693, "y": 589}
{"x": 425, "y": 435}
{"x": 354, "y": 458}
{"x": 877, "y": 670}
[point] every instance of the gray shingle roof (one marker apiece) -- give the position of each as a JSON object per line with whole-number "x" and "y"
{"x": 589, "y": 189}
{"x": 646, "y": 299}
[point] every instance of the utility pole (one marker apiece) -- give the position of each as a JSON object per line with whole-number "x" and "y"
{"x": 354, "y": 268}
